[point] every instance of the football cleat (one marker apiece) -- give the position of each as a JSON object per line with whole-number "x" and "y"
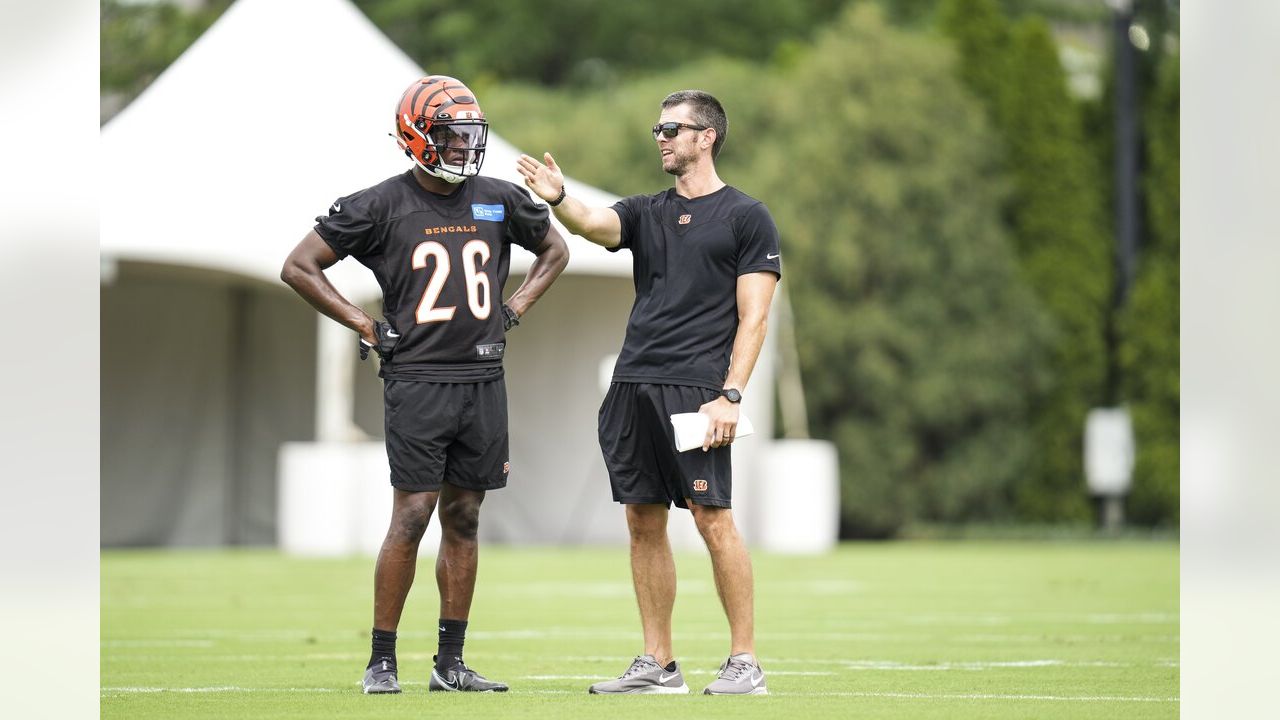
{"x": 461, "y": 678}
{"x": 380, "y": 678}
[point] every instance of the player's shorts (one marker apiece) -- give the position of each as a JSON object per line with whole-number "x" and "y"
{"x": 452, "y": 433}
{"x": 639, "y": 447}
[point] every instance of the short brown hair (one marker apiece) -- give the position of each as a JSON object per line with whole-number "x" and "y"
{"x": 706, "y": 111}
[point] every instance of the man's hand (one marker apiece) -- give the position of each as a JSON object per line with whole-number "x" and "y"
{"x": 385, "y": 339}
{"x": 546, "y": 181}
{"x": 723, "y": 425}
{"x": 509, "y": 318}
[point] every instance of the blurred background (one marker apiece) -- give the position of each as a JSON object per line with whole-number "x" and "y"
{"x": 979, "y": 209}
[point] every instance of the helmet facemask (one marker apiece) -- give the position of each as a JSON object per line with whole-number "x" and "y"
{"x": 455, "y": 150}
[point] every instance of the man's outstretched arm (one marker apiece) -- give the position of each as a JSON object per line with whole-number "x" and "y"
{"x": 599, "y": 225}
{"x": 304, "y": 272}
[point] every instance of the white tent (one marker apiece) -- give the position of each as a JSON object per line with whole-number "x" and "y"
{"x": 209, "y": 363}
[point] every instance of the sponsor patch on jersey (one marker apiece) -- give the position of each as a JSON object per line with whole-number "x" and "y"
{"x": 490, "y": 213}
{"x": 699, "y": 485}
{"x": 685, "y": 219}
{"x": 492, "y": 351}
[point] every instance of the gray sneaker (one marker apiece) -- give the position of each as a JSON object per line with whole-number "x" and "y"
{"x": 644, "y": 677}
{"x": 739, "y": 675}
{"x": 380, "y": 678}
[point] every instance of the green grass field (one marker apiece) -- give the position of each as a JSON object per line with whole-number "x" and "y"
{"x": 887, "y": 630}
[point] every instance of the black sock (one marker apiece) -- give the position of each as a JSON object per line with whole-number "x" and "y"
{"x": 384, "y": 647}
{"x": 452, "y": 634}
{"x": 671, "y": 666}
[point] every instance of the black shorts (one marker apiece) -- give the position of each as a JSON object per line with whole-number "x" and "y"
{"x": 639, "y": 448}
{"x": 446, "y": 432}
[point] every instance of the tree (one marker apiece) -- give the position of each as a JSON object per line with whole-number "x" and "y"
{"x": 1055, "y": 215}
{"x": 920, "y": 340}
{"x": 586, "y": 43}
{"x": 140, "y": 41}
{"x": 981, "y": 36}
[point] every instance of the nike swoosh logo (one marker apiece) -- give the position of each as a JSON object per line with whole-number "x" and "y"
{"x": 773, "y": 257}
{"x": 663, "y": 678}
{"x": 452, "y": 681}
{"x": 755, "y": 681}
{"x": 393, "y": 333}
{"x": 337, "y": 207}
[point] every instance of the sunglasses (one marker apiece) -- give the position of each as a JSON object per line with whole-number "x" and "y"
{"x": 671, "y": 129}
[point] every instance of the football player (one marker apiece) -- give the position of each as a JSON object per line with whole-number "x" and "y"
{"x": 438, "y": 239}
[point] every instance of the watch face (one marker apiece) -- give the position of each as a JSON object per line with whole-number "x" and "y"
{"x": 732, "y": 395}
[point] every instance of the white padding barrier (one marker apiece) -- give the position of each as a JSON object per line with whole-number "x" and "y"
{"x": 335, "y": 499}
{"x": 798, "y": 491}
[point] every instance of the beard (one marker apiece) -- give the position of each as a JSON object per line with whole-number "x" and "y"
{"x": 677, "y": 163}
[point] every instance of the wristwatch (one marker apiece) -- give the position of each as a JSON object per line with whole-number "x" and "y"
{"x": 731, "y": 394}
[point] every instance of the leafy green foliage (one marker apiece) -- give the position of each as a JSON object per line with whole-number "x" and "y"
{"x": 981, "y": 35}
{"x": 584, "y": 42}
{"x": 920, "y": 343}
{"x": 1055, "y": 215}
{"x": 140, "y": 40}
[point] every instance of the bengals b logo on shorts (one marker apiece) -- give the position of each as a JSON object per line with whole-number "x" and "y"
{"x": 699, "y": 485}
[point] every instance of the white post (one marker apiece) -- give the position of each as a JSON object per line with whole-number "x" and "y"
{"x": 1109, "y": 453}
{"x": 336, "y": 356}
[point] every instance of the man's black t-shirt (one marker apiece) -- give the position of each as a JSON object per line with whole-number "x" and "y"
{"x": 687, "y": 256}
{"x": 441, "y": 261}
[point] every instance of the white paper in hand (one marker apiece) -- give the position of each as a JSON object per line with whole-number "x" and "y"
{"x": 691, "y": 429}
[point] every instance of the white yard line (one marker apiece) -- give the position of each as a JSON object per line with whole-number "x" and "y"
{"x": 850, "y": 664}
{"x": 770, "y": 673}
{"x": 987, "y": 696}
{"x": 893, "y": 665}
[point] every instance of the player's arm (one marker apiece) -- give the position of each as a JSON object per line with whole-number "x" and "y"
{"x": 552, "y": 257}
{"x": 754, "y": 293}
{"x": 599, "y": 225}
{"x": 304, "y": 272}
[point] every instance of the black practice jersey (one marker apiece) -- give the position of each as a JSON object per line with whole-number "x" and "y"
{"x": 441, "y": 261}
{"x": 686, "y": 259}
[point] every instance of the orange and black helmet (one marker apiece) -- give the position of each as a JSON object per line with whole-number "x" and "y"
{"x": 440, "y": 125}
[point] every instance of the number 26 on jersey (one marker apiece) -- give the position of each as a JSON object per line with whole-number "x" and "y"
{"x": 475, "y": 254}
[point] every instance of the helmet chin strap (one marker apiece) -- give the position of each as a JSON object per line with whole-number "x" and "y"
{"x": 448, "y": 176}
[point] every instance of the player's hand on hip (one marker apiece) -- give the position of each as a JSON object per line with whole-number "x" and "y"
{"x": 545, "y": 181}
{"x": 383, "y": 342}
{"x": 510, "y": 318}
{"x": 724, "y": 423}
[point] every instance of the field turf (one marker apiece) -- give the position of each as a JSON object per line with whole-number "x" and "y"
{"x": 961, "y": 629}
